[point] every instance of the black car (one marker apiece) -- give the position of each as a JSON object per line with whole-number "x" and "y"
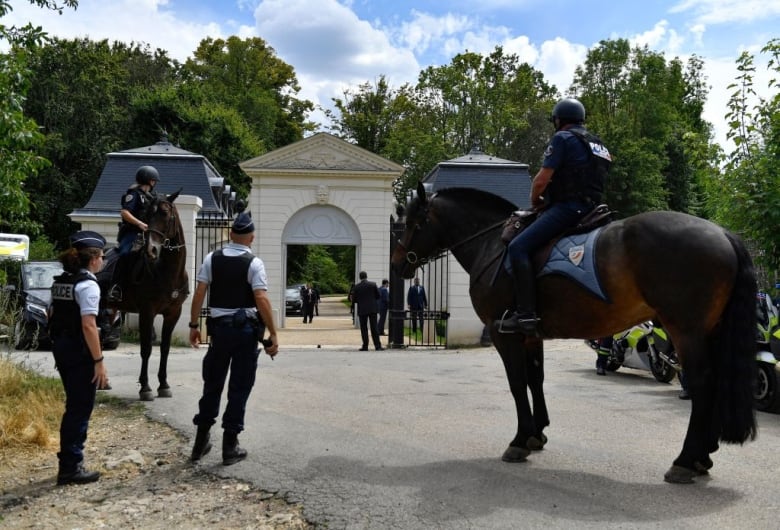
{"x": 292, "y": 300}
{"x": 33, "y": 300}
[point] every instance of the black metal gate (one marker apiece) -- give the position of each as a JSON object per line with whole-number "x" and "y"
{"x": 212, "y": 231}
{"x": 427, "y": 328}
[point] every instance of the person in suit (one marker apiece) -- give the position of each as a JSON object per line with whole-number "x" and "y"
{"x": 307, "y": 299}
{"x": 366, "y": 294}
{"x": 418, "y": 303}
{"x": 384, "y": 305}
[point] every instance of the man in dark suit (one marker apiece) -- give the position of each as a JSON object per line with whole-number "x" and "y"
{"x": 366, "y": 294}
{"x": 384, "y": 305}
{"x": 417, "y": 302}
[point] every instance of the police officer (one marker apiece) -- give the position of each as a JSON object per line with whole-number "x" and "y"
{"x": 568, "y": 186}
{"x": 135, "y": 202}
{"x": 240, "y": 313}
{"x": 76, "y": 346}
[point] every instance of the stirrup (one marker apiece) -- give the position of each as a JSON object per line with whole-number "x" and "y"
{"x": 114, "y": 293}
{"x": 508, "y": 314}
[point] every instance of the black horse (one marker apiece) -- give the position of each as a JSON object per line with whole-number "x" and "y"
{"x": 689, "y": 274}
{"x": 155, "y": 282}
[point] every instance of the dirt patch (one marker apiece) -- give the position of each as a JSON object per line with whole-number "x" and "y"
{"x": 146, "y": 483}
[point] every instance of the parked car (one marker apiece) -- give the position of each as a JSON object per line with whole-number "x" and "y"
{"x": 33, "y": 300}
{"x": 292, "y": 300}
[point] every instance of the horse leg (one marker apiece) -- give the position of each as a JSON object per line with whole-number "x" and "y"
{"x": 702, "y": 436}
{"x": 513, "y": 356}
{"x": 169, "y": 322}
{"x": 535, "y": 373}
{"x": 145, "y": 323}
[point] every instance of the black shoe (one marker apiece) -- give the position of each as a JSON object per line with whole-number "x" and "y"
{"x": 379, "y": 348}
{"x": 600, "y": 370}
{"x": 79, "y": 476}
{"x": 202, "y": 445}
{"x": 231, "y": 451}
{"x": 517, "y": 323}
{"x": 363, "y": 349}
{"x": 684, "y": 394}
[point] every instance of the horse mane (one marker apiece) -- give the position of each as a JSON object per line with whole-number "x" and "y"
{"x": 478, "y": 196}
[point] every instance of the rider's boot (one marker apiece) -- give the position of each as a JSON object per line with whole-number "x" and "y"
{"x": 601, "y": 361}
{"x": 115, "y": 291}
{"x": 524, "y": 319}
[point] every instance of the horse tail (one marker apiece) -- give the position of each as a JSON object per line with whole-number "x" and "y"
{"x": 735, "y": 342}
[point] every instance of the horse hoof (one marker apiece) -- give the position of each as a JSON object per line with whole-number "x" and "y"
{"x": 146, "y": 395}
{"x": 680, "y": 475}
{"x": 515, "y": 454}
{"x": 536, "y": 444}
{"x": 164, "y": 392}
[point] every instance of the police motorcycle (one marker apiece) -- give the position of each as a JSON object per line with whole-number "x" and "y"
{"x": 642, "y": 347}
{"x": 766, "y": 394}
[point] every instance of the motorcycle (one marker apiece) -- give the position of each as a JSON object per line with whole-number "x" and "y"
{"x": 766, "y": 394}
{"x": 642, "y": 347}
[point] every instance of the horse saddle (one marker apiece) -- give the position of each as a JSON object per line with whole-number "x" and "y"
{"x": 573, "y": 254}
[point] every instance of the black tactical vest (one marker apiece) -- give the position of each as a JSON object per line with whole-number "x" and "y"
{"x": 225, "y": 290}
{"x": 582, "y": 181}
{"x": 66, "y": 313}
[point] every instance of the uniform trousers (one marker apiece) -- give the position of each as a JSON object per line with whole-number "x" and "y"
{"x": 232, "y": 349}
{"x": 76, "y": 371}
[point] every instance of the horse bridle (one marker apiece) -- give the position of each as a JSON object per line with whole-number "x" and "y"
{"x": 166, "y": 243}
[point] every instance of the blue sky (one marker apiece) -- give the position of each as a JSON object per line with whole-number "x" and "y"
{"x": 337, "y": 44}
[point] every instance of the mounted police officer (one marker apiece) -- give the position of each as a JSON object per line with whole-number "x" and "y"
{"x": 240, "y": 312}
{"x": 77, "y": 351}
{"x": 135, "y": 205}
{"x": 568, "y": 186}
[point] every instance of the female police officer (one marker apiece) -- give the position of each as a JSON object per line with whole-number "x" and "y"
{"x": 77, "y": 351}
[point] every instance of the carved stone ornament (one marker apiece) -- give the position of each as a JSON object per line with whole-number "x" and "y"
{"x": 322, "y": 194}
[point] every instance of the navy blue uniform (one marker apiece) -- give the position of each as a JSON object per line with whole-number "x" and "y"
{"x": 136, "y": 201}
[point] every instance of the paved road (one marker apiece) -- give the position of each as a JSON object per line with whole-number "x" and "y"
{"x": 412, "y": 439}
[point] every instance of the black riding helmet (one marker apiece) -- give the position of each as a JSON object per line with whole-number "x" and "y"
{"x": 568, "y": 110}
{"x": 146, "y": 174}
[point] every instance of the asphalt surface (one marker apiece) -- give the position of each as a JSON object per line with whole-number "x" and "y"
{"x": 413, "y": 438}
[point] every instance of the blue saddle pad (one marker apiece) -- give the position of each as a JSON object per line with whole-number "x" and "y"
{"x": 574, "y": 256}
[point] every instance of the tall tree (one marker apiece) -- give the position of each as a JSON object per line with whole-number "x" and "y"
{"x": 648, "y": 112}
{"x": 80, "y": 94}
{"x": 246, "y": 74}
{"x": 19, "y": 135}
{"x": 746, "y": 196}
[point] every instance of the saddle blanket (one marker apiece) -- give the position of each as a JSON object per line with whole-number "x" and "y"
{"x": 574, "y": 256}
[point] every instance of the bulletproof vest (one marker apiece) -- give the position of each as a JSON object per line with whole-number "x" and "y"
{"x": 225, "y": 291}
{"x": 66, "y": 313}
{"x": 583, "y": 181}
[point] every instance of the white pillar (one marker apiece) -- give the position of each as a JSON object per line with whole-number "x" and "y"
{"x": 188, "y": 206}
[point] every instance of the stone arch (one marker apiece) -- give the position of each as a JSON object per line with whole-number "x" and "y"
{"x": 321, "y": 225}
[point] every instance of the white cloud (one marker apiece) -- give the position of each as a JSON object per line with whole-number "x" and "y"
{"x": 728, "y": 11}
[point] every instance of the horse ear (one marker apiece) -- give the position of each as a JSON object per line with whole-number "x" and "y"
{"x": 421, "y": 192}
{"x": 175, "y": 195}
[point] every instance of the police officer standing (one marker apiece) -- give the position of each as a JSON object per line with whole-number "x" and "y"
{"x": 568, "y": 186}
{"x": 77, "y": 351}
{"x": 240, "y": 313}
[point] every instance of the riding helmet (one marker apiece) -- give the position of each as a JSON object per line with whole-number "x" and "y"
{"x": 146, "y": 174}
{"x": 569, "y": 110}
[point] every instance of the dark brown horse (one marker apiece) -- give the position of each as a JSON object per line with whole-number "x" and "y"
{"x": 155, "y": 282}
{"x": 691, "y": 275}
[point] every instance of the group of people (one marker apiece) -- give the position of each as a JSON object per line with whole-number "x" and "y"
{"x": 240, "y": 314}
{"x": 568, "y": 186}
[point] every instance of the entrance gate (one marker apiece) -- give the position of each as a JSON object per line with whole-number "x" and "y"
{"x": 211, "y": 233}
{"x": 433, "y": 277}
